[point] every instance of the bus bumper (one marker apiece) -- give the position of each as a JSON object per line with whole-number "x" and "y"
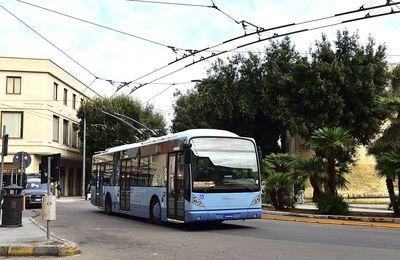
{"x": 221, "y": 215}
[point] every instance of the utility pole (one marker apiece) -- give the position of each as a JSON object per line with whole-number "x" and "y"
{"x": 84, "y": 156}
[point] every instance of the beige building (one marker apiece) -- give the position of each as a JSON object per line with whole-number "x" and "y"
{"x": 38, "y": 104}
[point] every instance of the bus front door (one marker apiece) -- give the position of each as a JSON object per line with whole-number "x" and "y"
{"x": 176, "y": 194}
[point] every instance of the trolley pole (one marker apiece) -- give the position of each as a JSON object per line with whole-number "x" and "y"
{"x": 48, "y": 192}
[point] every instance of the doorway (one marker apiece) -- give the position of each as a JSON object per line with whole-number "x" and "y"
{"x": 176, "y": 186}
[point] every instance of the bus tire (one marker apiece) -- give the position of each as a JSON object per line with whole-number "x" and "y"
{"x": 108, "y": 205}
{"x": 155, "y": 211}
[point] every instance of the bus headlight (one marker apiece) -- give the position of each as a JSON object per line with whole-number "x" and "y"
{"x": 197, "y": 202}
{"x": 256, "y": 200}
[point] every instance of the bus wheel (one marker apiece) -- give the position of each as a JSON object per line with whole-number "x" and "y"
{"x": 155, "y": 211}
{"x": 107, "y": 206}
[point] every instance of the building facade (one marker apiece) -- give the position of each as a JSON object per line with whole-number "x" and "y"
{"x": 38, "y": 104}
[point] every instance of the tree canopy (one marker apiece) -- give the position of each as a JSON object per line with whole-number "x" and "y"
{"x": 264, "y": 96}
{"x": 105, "y": 131}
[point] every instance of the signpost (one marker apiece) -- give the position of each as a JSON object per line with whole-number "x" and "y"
{"x": 22, "y": 160}
{"x": 49, "y": 201}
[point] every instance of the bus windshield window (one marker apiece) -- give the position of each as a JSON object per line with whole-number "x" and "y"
{"x": 224, "y": 165}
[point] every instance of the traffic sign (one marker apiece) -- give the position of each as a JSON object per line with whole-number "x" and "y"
{"x": 22, "y": 159}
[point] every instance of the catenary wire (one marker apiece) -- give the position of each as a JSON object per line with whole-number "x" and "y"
{"x": 213, "y": 6}
{"x": 102, "y": 26}
{"x": 194, "y": 52}
{"x": 48, "y": 41}
{"x": 264, "y": 39}
{"x": 171, "y": 3}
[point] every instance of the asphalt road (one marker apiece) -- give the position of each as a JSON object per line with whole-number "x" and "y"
{"x": 122, "y": 237}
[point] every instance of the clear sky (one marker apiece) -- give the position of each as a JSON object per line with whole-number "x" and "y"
{"x": 149, "y": 28}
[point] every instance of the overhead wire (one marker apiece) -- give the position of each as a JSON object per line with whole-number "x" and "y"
{"x": 171, "y": 3}
{"x": 195, "y": 52}
{"x": 244, "y": 23}
{"x": 103, "y": 26}
{"x": 32, "y": 112}
{"x": 262, "y": 30}
{"x": 274, "y": 36}
{"x": 48, "y": 41}
{"x": 170, "y": 86}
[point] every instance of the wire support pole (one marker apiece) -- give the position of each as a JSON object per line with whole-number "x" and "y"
{"x": 84, "y": 157}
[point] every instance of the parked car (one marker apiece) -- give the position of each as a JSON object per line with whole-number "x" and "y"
{"x": 34, "y": 192}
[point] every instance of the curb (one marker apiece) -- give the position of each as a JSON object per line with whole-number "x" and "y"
{"x": 56, "y": 247}
{"x": 332, "y": 219}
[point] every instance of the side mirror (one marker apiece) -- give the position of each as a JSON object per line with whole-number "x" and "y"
{"x": 187, "y": 153}
{"x": 259, "y": 153}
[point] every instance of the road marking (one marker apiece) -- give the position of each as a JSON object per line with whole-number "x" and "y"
{"x": 333, "y": 221}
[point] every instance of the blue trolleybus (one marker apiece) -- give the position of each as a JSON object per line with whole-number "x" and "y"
{"x": 192, "y": 176}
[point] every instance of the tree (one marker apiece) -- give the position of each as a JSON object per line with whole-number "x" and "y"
{"x": 388, "y": 165}
{"x": 264, "y": 96}
{"x": 386, "y": 149}
{"x": 339, "y": 87}
{"x": 278, "y": 181}
{"x": 104, "y": 131}
{"x": 229, "y": 99}
{"x": 312, "y": 169}
{"x": 337, "y": 146}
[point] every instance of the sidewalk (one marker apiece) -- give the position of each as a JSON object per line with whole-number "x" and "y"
{"x": 373, "y": 208}
{"x": 388, "y": 222}
{"x": 31, "y": 240}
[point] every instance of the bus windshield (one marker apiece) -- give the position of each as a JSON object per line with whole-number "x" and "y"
{"x": 224, "y": 165}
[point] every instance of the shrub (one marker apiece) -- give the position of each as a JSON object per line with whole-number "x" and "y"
{"x": 332, "y": 204}
{"x": 288, "y": 202}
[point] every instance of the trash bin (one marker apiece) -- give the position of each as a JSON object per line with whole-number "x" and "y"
{"x": 12, "y": 206}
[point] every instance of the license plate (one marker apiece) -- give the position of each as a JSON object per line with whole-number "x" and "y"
{"x": 38, "y": 199}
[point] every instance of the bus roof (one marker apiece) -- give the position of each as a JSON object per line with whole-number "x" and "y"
{"x": 184, "y": 136}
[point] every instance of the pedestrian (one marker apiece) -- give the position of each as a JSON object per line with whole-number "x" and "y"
{"x": 87, "y": 191}
{"x": 59, "y": 190}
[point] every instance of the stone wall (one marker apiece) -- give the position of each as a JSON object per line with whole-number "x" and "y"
{"x": 364, "y": 183}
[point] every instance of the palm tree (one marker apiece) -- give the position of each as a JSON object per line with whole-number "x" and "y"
{"x": 387, "y": 148}
{"x": 312, "y": 169}
{"x": 277, "y": 185}
{"x": 336, "y": 145}
{"x": 388, "y": 165}
{"x": 278, "y": 181}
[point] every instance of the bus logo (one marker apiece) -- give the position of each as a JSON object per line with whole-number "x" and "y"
{"x": 228, "y": 198}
